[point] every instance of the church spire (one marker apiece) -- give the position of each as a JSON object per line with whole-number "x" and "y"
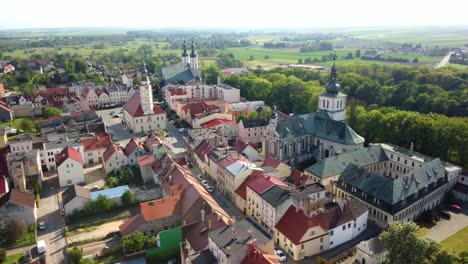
{"x": 184, "y": 47}
{"x": 193, "y": 54}
{"x": 333, "y": 86}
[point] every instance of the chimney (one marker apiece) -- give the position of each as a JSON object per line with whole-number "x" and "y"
{"x": 411, "y": 147}
{"x": 228, "y": 251}
{"x": 234, "y": 234}
{"x": 254, "y": 242}
{"x": 218, "y": 80}
{"x": 202, "y": 215}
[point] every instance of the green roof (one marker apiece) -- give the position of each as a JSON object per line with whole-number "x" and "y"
{"x": 391, "y": 190}
{"x": 180, "y": 72}
{"x": 319, "y": 124}
{"x": 169, "y": 241}
{"x": 337, "y": 164}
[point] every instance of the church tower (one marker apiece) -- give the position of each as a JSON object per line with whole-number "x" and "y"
{"x": 185, "y": 57}
{"x": 146, "y": 94}
{"x": 333, "y": 102}
{"x": 193, "y": 58}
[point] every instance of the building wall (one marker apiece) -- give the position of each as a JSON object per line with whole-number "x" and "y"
{"x": 146, "y": 173}
{"x": 77, "y": 204}
{"x": 17, "y": 146}
{"x": 5, "y": 116}
{"x": 314, "y": 242}
{"x": 253, "y": 134}
{"x": 70, "y": 172}
{"x": 198, "y": 121}
{"x": 115, "y": 162}
{"x": 49, "y": 154}
{"x": 363, "y": 257}
{"x": 25, "y": 110}
{"x": 347, "y": 231}
{"x": 146, "y": 123}
{"x": 93, "y": 157}
{"x": 10, "y": 212}
{"x": 132, "y": 158}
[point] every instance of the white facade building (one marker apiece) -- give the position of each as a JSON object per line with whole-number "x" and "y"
{"x": 70, "y": 167}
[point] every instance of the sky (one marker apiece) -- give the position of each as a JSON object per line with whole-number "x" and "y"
{"x": 230, "y": 14}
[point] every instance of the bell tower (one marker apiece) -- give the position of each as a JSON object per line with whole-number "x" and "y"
{"x": 185, "y": 57}
{"x": 333, "y": 102}
{"x": 193, "y": 58}
{"x": 146, "y": 94}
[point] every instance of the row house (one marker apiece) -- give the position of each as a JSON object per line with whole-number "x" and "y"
{"x": 103, "y": 98}
{"x": 249, "y": 150}
{"x": 220, "y": 92}
{"x": 114, "y": 159}
{"x": 90, "y": 97}
{"x": 157, "y": 147}
{"x": 277, "y": 168}
{"x": 200, "y": 119}
{"x": 118, "y": 93}
{"x": 50, "y": 149}
{"x": 320, "y": 231}
{"x": 21, "y": 144}
{"x": 133, "y": 150}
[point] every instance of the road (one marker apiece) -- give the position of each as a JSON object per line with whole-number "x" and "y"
{"x": 444, "y": 61}
{"x": 446, "y": 228}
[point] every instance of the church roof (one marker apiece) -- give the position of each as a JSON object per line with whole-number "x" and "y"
{"x": 392, "y": 190}
{"x": 337, "y": 164}
{"x": 180, "y": 72}
{"x": 133, "y": 106}
{"x": 320, "y": 125}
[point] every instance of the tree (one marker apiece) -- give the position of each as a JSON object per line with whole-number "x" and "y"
{"x": 405, "y": 246}
{"x": 415, "y": 60}
{"x": 349, "y": 56}
{"x": 210, "y": 74}
{"x": 74, "y": 255}
{"x": 27, "y": 125}
{"x": 51, "y": 111}
{"x": 253, "y": 115}
{"x": 128, "y": 198}
{"x": 136, "y": 81}
{"x": 358, "y": 53}
{"x": 251, "y": 58}
{"x": 111, "y": 182}
{"x": 134, "y": 242}
{"x": 300, "y": 61}
{"x": 265, "y": 113}
{"x": 241, "y": 117}
{"x": 266, "y": 57}
{"x": 16, "y": 229}
{"x": 2, "y": 253}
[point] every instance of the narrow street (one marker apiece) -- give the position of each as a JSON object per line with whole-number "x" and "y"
{"x": 444, "y": 61}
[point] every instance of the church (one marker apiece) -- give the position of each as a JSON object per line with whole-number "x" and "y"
{"x": 321, "y": 134}
{"x": 141, "y": 113}
{"x": 184, "y": 72}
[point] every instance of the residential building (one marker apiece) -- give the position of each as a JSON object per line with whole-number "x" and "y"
{"x": 145, "y": 163}
{"x": 114, "y": 159}
{"x": 90, "y": 97}
{"x": 229, "y": 128}
{"x": 201, "y": 158}
{"x": 229, "y": 244}
{"x": 94, "y": 148}
{"x": 74, "y": 199}
{"x": 6, "y": 114}
{"x": 117, "y": 93}
{"x": 141, "y": 114}
{"x": 370, "y": 251}
{"x": 249, "y": 150}
{"x": 241, "y": 191}
{"x": 252, "y": 130}
{"x": 17, "y": 204}
{"x": 69, "y": 164}
{"x": 133, "y": 150}
{"x": 321, "y": 134}
{"x": 460, "y": 190}
{"x": 153, "y": 144}
{"x": 321, "y": 231}
{"x": 21, "y": 144}
{"x": 113, "y": 194}
{"x": 50, "y": 149}
{"x": 256, "y": 256}
{"x": 3, "y": 137}
{"x": 277, "y": 168}
{"x": 25, "y": 169}
{"x": 184, "y": 72}
{"x": 103, "y": 98}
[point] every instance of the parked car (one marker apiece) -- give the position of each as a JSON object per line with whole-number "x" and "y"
{"x": 445, "y": 214}
{"x": 280, "y": 254}
{"x": 210, "y": 189}
{"x": 200, "y": 177}
{"x": 204, "y": 182}
{"x": 42, "y": 226}
{"x": 455, "y": 208}
{"x": 41, "y": 246}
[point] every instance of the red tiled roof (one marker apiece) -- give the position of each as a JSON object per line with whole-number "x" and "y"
{"x": 242, "y": 189}
{"x": 132, "y": 145}
{"x": 96, "y": 142}
{"x": 240, "y": 145}
{"x": 133, "y": 106}
{"x": 50, "y": 92}
{"x": 263, "y": 183}
{"x": 298, "y": 178}
{"x": 4, "y": 107}
{"x": 145, "y": 160}
{"x": 217, "y": 122}
{"x": 110, "y": 152}
{"x": 150, "y": 141}
{"x": 67, "y": 153}
{"x": 4, "y": 188}
{"x": 198, "y": 108}
{"x": 177, "y": 91}
{"x": 204, "y": 148}
{"x": 131, "y": 224}
{"x": 295, "y": 232}
{"x": 159, "y": 209}
{"x": 256, "y": 256}
{"x": 271, "y": 162}
{"x": 20, "y": 198}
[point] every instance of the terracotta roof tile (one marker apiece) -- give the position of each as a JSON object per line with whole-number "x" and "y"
{"x": 111, "y": 150}
{"x": 264, "y": 182}
{"x": 159, "y": 209}
{"x": 133, "y": 106}
{"x": 177, "y": 91}
{"x": 271, "y": 162}
{"x": 295, "y": 232}
{"x": 67, "y": 153}
{"x": 132, "y": 145}
{"x": 242, "y": 189}
{"x": 20, "y": 198}
{"x": 298, "y": 178}
{"x": 197, "y": 236}
{"x": 198, "y": 108}
{"x": 145, "y": 160}
{"x": 217, "y": 122}
{"x": 96, "y": 142}
{"x": 205, "y": 147}
{"x": 131, "y": 224}
{"x": 256, "y": 256}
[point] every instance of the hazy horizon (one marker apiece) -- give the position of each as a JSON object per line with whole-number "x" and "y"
{"x": 241, "y": 15}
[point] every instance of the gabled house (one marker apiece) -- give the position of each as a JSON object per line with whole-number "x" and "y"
{"x": 114, "y": 159}
{"x": 103, "y": 98}
{"x": 256, "y": 256}
{"x": 275, "y": 167}
{"x": 69, "y": 164}
{"x": 90, "y": 97}
{"x": 249, "y": 150}
{"x": 74, "y": 199}
{"x": 252, "y": 130}
{"x": 94, "y": 148}
{"x": 133, "y": 150}
{"x": 18, "y": 205}
{"x": 153, "y": 144}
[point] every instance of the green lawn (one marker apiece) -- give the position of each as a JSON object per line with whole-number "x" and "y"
{"x": 457, "y": 242}
{"x": 13, "y": 259}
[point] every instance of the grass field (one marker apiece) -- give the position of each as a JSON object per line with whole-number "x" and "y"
{"x": 14, "y": 259}
{"x": 457, "y": 242}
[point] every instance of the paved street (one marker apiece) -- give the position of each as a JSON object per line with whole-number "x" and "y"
{"x": 115, "y": 127}
{"x": 446, "y": 228}
{"x": 49, "y": 213}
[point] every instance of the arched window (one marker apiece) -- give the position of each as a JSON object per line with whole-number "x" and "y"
{"x": 327, "y": 153}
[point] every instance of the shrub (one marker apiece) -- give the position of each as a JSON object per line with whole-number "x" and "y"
{"x": 16, "y": 229}
{"x": 128, "y": 198}
{"x": 2, "y": 255}
{"x": 74, "y": 255}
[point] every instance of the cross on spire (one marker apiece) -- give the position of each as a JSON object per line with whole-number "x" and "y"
{"x": 333, "y": 75}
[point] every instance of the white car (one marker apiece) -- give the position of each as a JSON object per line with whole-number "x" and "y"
{"x": 42, "y": 226}
{"x": 280, "y": 254}
{"x": 204, "y": 182}
{"x": 200, "y": 177}
{"x": 210, "y": 189}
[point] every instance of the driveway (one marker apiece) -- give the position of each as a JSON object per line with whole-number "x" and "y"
{"x": 446, "y": 228}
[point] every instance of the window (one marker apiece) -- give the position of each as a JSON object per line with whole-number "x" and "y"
{"x": 331, "y": 243}
{"x": 321, "y": 239}
{"x": 331, "y": 233}
{"x": 344, "y": 227}
{"x": 321, "y": 247}
{"x": 349, "y": 225}
{"x": 302, "y": 246}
